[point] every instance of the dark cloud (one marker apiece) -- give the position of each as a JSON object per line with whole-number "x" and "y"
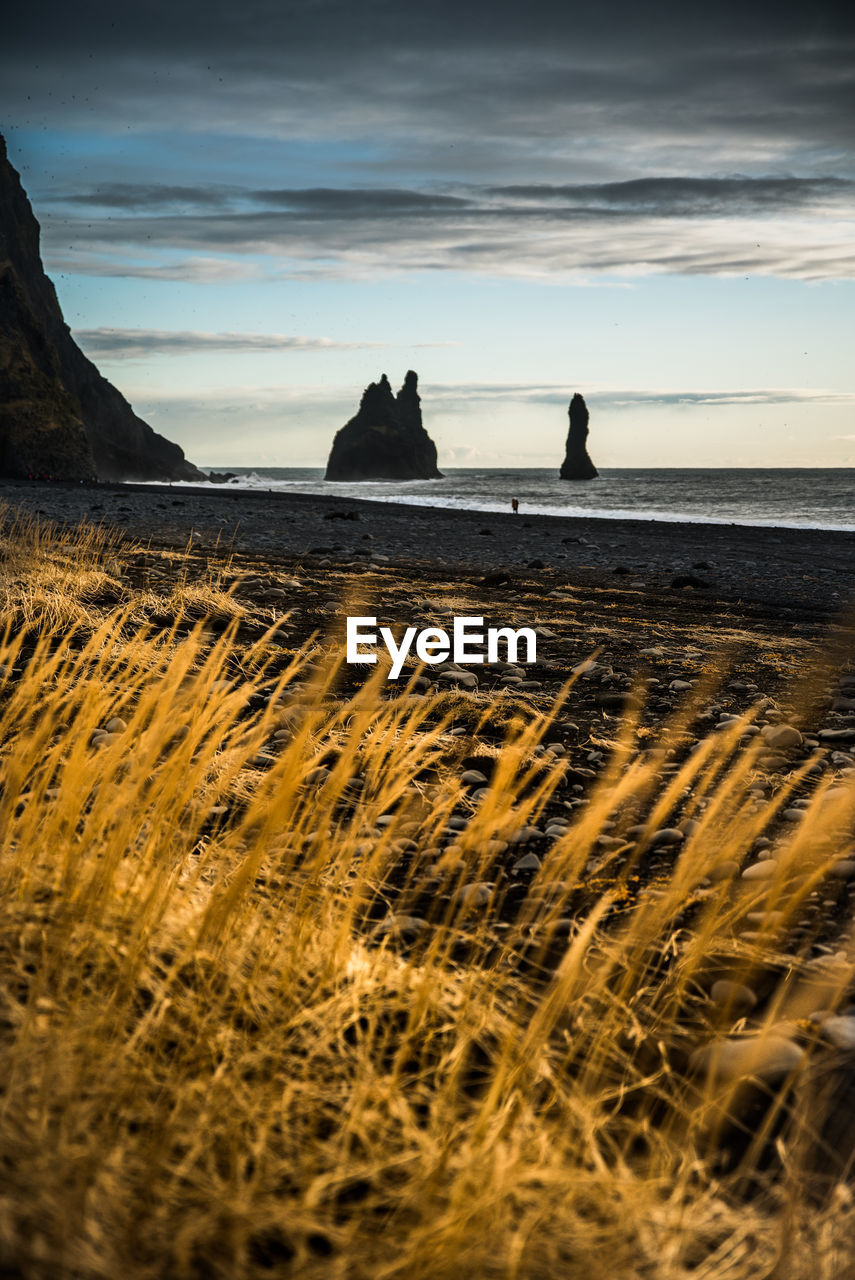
{"x": 279, "y": 27}
{"x": 492, "y": 137}
{"x": 684, "y": 196}
{"x": 444, "y": 87}
{"x": 670, "y": 224}
{"x": 142, "y": 195}
{"x": 318, "y": 202}
{"x": 336, "y": 202}
{"x": 676, "y": 196}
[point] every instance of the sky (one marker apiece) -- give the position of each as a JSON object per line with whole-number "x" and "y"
{"x": 252, "y": 211}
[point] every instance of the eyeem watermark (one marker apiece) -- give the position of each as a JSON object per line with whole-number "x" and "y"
{"x": 433, "y": 645}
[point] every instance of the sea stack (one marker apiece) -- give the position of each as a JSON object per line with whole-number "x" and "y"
{"x": 386, "y": 439}
{"x": 59, "y": 419}
{"x": 577, "y": 465}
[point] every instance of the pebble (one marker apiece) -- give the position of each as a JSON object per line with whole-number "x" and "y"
{"x": 450, "y": 862}
{"x": 477, "y": 894}
{"x": 723, "y": 871}
{"x": 524, "y": 834}
{"x": 403, "y": 927}
{"x": 464, "y": 678}
{"x": 733, "y": 996}
{"x": 838, "y": 1028}
{"x": 761, "y": 870}
{"x": 770, "y": 1058}
{"x": 586, "y": 668}
{"x": 667, "y": 836}
{"x": 780, "y": 737}
{"x": 548, "y": 889}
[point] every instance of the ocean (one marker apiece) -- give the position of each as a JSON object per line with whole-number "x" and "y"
{"x": 821, "y": 498}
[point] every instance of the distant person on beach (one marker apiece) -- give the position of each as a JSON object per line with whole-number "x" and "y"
{"x": 515, "y": 505}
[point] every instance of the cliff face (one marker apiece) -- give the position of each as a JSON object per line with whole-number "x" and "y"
{"x": 386, "y": 439}
{"x": 58, "y": 416}
{"x": 41, "y": 431}
{"x": 577, "y": 465}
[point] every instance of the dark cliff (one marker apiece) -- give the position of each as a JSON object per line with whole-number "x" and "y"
{"x": 386, "y": 439}
{"x": 577, "y": 465}
{"x": 58, "y": 416}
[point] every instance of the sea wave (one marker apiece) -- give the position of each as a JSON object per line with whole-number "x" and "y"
{"x": 784, "y": 499}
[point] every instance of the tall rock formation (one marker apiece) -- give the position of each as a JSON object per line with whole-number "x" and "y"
{"x": 386, "y": 439}
{"x": 577, "y": 465}
{"x": 58, "y": 417}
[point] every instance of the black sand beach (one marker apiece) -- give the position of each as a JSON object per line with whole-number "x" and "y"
{"x": 803, "y": 576}
{"x": 664, "y": 864}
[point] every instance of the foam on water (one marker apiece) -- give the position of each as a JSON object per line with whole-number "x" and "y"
{"x": 791, "y": 498}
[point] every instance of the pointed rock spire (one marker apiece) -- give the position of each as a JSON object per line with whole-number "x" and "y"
{"x": 577, "y": 465}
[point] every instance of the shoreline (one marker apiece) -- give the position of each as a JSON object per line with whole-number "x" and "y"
{"x": 525, "y": 513}
{"x": 794, "y": 572}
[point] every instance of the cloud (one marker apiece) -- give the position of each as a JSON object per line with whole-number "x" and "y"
{"x": 452, "y": 397}
{"x": 141, "y": 195}
{"x": 463, "y": 394}
{"x": 541, "y": 91}
{"x": 663, "y": 197}
{"x": 714, "y": 399}
{"x": 135, "y": 344}
{"x": 132, "y": 344}
{"x": 345, "y": 140}
{"x": 788, "y": 226}
{"x": 337, "y": 202}
{"x": 107, "y": 261}
{"x": 669, "y": 197}
{"x": 319, "y": 202}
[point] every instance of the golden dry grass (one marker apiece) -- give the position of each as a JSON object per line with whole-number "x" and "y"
{"x": 219, "y": 1059}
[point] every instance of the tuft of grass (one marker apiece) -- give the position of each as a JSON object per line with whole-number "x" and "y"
{"x": 262, "y": 1014}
